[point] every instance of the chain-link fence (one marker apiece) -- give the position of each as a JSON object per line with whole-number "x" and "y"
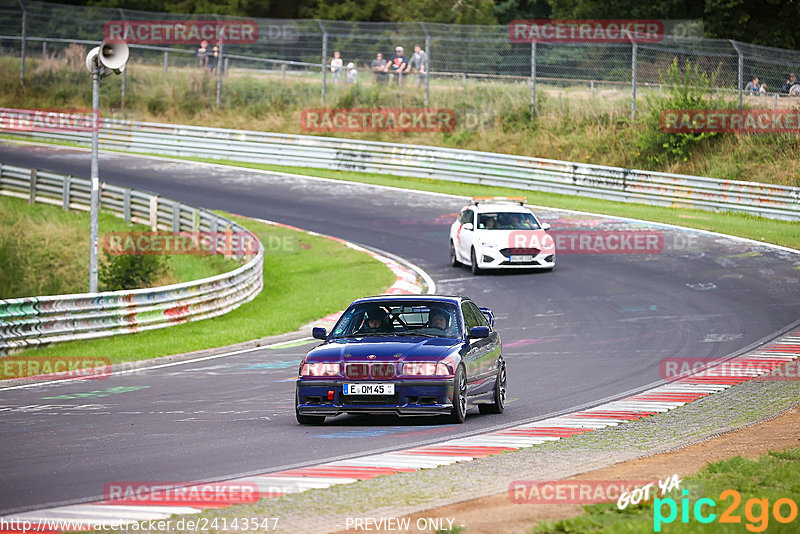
{"x": 457, "y": 56}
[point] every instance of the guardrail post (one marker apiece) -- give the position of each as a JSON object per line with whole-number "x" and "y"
{"x": 533, "y": 78}
{"x": 126, "y": 205}
{"x": 212, "y": 226}
{"x": 32, "y": 196}
{"x": 176, "y": 218}
{"x": 283, "y": 72}
{"x": 154, "y": 213}
{"x": 634, "y": 50}
{"x": 195, "y": 220}
{"x": 65, "y": 192}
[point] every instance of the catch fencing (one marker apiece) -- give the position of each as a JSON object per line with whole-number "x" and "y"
{"x": 458, "y": 55}
{"x": 26, "y": 322}
{"x": 466, "y": 166}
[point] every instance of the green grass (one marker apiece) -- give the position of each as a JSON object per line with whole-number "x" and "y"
{"x": 44, "y": 251}
{"x": 759, "y": 228}
{"x": 774, "y": 476}
{"x": 307, "y": 279}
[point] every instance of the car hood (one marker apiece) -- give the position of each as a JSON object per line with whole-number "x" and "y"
{"x": 389, "y": 348}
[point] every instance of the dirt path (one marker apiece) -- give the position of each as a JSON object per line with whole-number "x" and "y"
{"x": 498, "y": 515}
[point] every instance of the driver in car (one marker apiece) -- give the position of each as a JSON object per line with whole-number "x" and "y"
{"x": 376, "y": 320}
{"x": 437, "y": 319}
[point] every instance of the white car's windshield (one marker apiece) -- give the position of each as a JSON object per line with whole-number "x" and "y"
{"x": 507, "y": 221}
{"x": 427, "y": 319}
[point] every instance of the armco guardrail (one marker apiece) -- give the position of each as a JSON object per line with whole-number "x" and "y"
{"x": 34, "y": 321}
{"x": 598, "y": 181}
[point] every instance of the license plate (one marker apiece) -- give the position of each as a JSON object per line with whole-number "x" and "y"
{"x": 521, "y": 258}
{"x": 369, "y": 389}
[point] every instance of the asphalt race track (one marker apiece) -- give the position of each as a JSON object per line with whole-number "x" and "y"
{"x": 594, "y": 328}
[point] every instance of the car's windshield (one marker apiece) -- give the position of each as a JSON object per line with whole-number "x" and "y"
{"x": 399, "y": 318}
{"x": 507, "y": 221}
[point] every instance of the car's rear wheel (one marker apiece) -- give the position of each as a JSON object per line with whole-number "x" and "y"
{"x": 499, "y": 397}
{"x": 474, "y": 267}
{"x": 453, "y": 258}
{"x": 459, "y": 412}
{"x": 307, "y": 419}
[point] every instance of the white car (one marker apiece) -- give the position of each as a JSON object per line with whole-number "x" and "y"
{"x": 500, "y": 233}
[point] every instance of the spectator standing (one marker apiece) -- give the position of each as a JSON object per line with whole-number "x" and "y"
{"x": 377, "y": 66}
{"x": 419, "y": 62}
{"x": 336, "y": 67}
{"x": 352, "y": 73}
{"x": 213, "y": 58}
{"x": 203, "y": 54}
{"x": 753, "y": 87}
{"x": 398, "y": 64}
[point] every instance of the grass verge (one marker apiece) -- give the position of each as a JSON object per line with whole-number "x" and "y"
{"x": 44, "y": 251}
{"x": 307, "y": 278}
{"x": 759, "y": 484}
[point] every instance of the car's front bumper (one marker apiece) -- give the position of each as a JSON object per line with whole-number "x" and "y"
{"x": 492, "y": 258}
{"x": 411, "y": 397}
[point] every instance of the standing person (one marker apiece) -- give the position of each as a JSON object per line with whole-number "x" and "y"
{"x": 377, "y": 66}
{"x": 216, "y": 53}
{"x": 352, "y": 73}
{"x": 203, "y": 53}
{"x": 397, "y": 65}
{"x": 336, "y": 67}
{"x": 419, "y": 62}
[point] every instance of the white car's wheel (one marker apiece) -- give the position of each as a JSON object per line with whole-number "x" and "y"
{"x": 453, "y": 258}
{"x": 474, "y": 266}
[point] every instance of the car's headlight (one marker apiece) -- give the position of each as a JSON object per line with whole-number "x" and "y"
{"x": 320, "y": 369}
{"x": 426, "y": 369}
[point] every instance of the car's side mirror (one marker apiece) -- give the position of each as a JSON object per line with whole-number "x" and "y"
{"x": 319, "y": 333}
{"x": 468, "y": 226}
{"x": 546, "y": 226}
{"x": 479, "y": 331}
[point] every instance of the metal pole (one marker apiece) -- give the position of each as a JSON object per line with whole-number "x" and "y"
{"x": 219, "y": 75}
{"x": 427, "y": 64}
{"x": 124, "y": 72}
{"x": 634, "y": 49}
{"x": 533, "y": 79}
{"x": 741, "y": 71}
{"x": 22, "y": 46}
{"x": 95, "y": 201}
{"x": 324, "y": 60}
{"x": 44, "y": 49}
{"x": 166, "y": 60}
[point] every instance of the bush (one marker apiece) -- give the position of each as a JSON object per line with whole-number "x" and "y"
{"x": 131, "y": 271}
{"x": 686, "y": 88}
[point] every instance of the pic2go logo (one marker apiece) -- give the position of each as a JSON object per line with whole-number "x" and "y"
{"x": 756, "y": 511}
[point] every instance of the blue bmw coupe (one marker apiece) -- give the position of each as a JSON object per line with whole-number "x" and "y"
{"x": 404, "y": 355}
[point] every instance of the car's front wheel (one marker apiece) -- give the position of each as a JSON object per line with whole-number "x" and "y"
{"x": 474, "y": 267}
{"x": 453, "y": 258}
{"x": 499, "y": 396}
{"x": 459, "y": 412}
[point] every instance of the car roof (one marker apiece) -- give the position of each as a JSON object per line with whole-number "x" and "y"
{"x": 453, "y": 299}
{"x": 501, "y": 207}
